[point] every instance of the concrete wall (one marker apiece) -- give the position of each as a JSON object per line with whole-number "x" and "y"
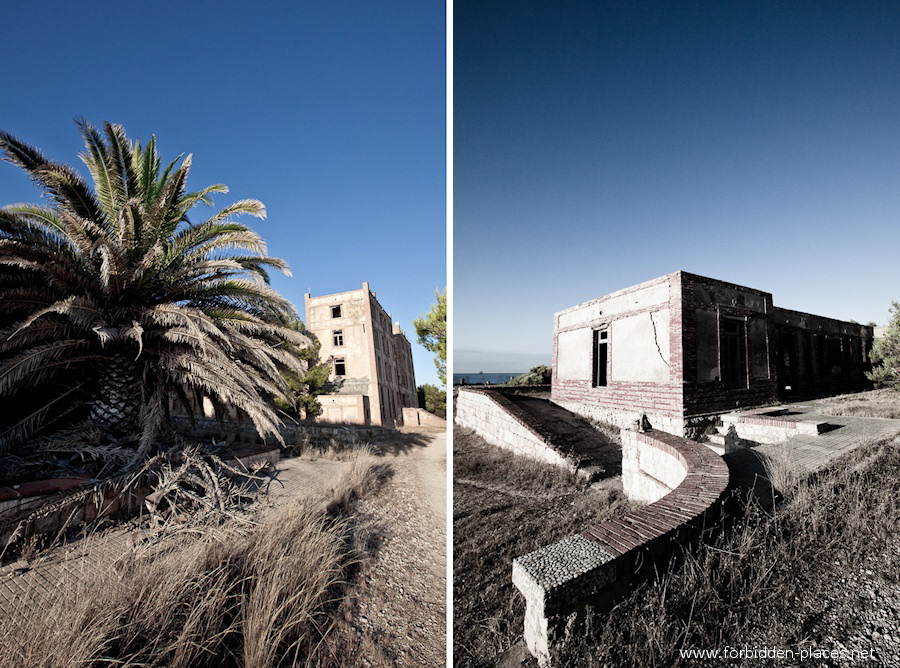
{"x": 376, "y": 354}
{"x": 485, "y": 413}
{"x": 419, "y": 417}
{"x": 347, "y": 408}
{"x": 601, "y": 563}
{"x": 648, "y": 472}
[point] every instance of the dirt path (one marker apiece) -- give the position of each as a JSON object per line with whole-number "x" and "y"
{"x": 402, "y": 600}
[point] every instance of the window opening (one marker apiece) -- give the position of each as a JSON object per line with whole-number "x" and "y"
{"x": 601, "y": 355}
{"x": 734, "y": 353}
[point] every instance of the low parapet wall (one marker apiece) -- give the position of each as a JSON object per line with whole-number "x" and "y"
{"x": 493, "y": 417}
{"x": 419, "y": 417}
{"x": 685, "y": 482}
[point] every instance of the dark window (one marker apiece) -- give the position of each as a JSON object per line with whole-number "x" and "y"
{"x": 601, "y": 342}
{"x": 833, "y": 356}
{"x": 734, "y": 353}
{"x": 338, "y": 337}
{"x": 336, "y": 311}
{"x": 340, "y": 369}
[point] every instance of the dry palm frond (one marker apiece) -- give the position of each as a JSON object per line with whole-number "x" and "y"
{"x": 193, "y": 486}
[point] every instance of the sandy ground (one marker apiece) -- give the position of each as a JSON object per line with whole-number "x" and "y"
{"x": 402, "y": 603}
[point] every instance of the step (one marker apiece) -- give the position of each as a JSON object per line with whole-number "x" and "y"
{"x": 717, "y": 439}
{"x": 590, "y": 473}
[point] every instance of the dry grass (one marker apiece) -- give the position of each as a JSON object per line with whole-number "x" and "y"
{"x": 226, "y": 595}
{"x": 755, "y": 582}
{"x": 883, "y": 403}
{"x": 503, "y": 507}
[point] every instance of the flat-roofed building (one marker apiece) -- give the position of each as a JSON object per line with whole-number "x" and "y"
{"x": 684, "y": 346}
{"x": 370, "y": 357}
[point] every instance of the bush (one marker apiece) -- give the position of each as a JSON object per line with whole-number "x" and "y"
{"x": 433, "y": 399}
{"x": 885, "y": 354}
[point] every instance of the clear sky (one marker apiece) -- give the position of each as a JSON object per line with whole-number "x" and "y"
{"x": 601, "y": 144}
{"x": 332, "y": 114}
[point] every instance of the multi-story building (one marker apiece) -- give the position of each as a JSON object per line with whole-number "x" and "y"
{"x": 371, "y": 358}
{"x": 683, "y": 346}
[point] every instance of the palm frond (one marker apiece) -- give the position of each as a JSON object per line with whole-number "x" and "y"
{"x": 115, "y": 284}
{"x": 30, "y": 424}
{"x": 35, "y": 364}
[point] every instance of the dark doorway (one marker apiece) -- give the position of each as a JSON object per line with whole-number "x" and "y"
{"x": 787, "y": 365}
{"x": 734, "y": 354}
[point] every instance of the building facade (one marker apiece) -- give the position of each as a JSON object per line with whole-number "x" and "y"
{"x": 684, "y": 347}
{"x": 370, "y": 356}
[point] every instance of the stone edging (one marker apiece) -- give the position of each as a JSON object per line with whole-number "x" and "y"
{"x": 600, "y": 563}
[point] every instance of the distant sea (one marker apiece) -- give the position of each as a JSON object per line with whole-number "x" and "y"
{"x": 483, "y": 378}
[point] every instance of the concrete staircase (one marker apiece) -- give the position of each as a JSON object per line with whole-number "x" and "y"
{"x": 763, "y": 426}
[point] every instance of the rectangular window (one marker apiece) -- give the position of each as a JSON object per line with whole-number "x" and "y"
{"x": 340, "y": 369}
{"x": 336, "y": 311}
{"x": 601, "y": 342}
{"x": 338, "y": 337}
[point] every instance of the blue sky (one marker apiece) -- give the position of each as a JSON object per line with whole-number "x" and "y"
{"x": 332, "y": 114}
{"x": 601, "y": 144}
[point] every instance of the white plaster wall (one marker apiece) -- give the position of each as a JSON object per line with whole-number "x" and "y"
{"x": 636, "y": 299}
{"x": 573, "y": 356}
{"x": 640, "y": 347}
{"x": 661, "y": 466}
{"x": 648, "y": 474}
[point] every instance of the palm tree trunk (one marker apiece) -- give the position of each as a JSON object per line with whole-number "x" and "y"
{"x": 117, "y": 404}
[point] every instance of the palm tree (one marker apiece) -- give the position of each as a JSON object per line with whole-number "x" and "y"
{"x": 112, "y": 299}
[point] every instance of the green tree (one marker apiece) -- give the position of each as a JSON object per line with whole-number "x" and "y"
{"x": 306, "y": 387}
{"x": 885, "y": 354}
{"x": 114, "y": 289}
{"x": 433, "y": 399}
{"x": 432, "y": 332}
{"x": 539, "y": 375}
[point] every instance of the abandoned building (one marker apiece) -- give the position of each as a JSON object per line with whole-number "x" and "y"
{"x": 683, "y": 347}
{"x": 371, "y": 358}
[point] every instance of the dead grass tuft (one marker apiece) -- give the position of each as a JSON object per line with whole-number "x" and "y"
{"x": 884, "y": 403}
{"x": 225, "y": 594}
{"x": 748, "y": 585}
{"x": 507, "y": 507}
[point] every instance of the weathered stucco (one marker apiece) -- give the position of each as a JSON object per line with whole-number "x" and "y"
{"x": 355, "y": 331}
{"x": 683, "y": 346}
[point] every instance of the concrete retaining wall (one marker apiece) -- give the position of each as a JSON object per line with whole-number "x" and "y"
{"x": 419, "y": 417}
{"x": 487, "y": 414}
{"x": 624, "y": 418}
{"x": 294, "y": 435}
{"x": 685, "y": 481}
